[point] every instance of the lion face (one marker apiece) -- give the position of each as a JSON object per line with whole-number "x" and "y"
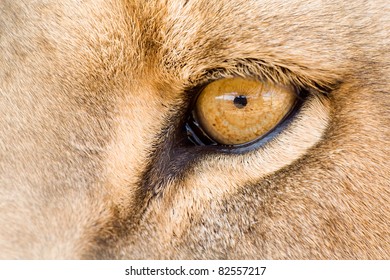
{"x": 194, "y": 129}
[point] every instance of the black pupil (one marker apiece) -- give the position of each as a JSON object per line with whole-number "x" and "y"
{"x": 240, "y": 101}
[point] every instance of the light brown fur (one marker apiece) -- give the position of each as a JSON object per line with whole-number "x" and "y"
{"x": 89, "y": 98}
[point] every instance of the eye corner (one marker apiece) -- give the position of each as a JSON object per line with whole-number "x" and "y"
{"x": 195, "y": 134}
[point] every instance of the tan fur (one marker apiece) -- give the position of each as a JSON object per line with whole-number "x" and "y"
{"x": 89, "y": 98}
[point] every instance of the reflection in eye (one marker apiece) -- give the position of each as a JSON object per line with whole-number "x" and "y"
{"x": 236, "y": 111}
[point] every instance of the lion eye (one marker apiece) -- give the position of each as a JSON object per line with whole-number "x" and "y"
{"x": 237, "y": 111}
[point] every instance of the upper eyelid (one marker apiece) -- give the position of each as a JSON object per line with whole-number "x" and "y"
{"x": 260, "y": 70}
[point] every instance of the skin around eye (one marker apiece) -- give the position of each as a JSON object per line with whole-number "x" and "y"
{"x": 236, "y": 111}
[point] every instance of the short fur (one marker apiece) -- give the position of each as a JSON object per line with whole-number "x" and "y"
{"x": 92, "y": 95}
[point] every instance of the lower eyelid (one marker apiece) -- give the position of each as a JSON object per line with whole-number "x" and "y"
{"x": 207, "y": 172}
{"x": 179, "y": 160}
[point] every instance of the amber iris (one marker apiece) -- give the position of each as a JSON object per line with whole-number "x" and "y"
{"x": 236, "y": 111}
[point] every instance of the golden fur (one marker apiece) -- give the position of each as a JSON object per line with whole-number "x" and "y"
{"x": 91, "y": 95}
